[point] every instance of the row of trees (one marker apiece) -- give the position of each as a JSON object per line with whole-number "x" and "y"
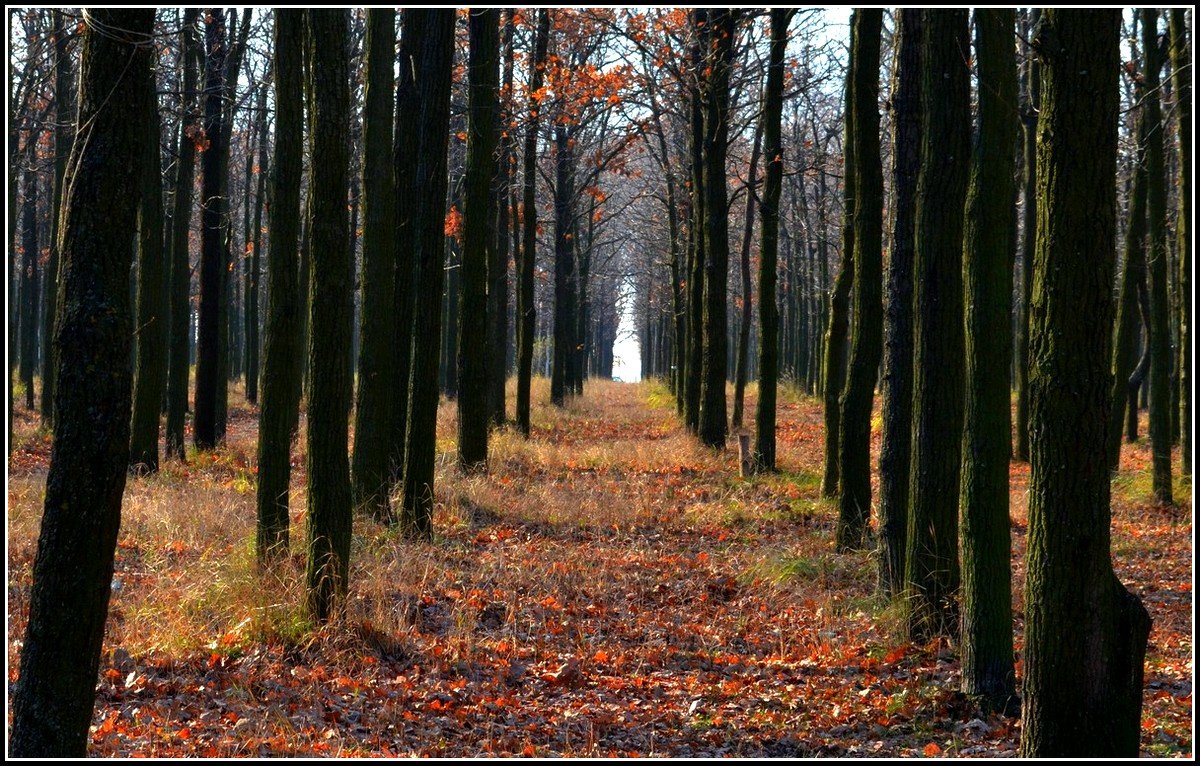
{"x": 616, "y": 153}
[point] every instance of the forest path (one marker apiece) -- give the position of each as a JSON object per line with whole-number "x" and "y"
{"x": 611, "y": 587}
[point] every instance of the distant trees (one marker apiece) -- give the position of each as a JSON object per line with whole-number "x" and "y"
{"x": 72, "y": 574}
{"x": 1085, "y": 634}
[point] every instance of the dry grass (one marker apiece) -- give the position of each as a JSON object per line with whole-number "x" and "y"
{"x": 608, "y": 587}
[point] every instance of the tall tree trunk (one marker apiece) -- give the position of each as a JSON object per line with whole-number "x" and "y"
{"x": 64, "y": 138}
{"x": 866, "y": 341}
{"x": 695, "y": 270}
{"x": 896, "y": 446}
{"x": 72, "y": 573}
{"x": 931, "y": 557}
{"x": 179, "y": 296}
{"x": 1125, "y": 338}
{"x": 255, "y": 272}
{"x": 213, "y": 209}
{"x": 987, "y": 636}
{"x": 483, "y": 81}
{"x": 526, "y": 311}
{"x": 404, "y": 168}
{"x": 376, "y": 384}
{"x": 331, "y": 303}
{"x": 564, "y": 269}
{"x": 29, "y": 271}
{"x": 836, "y": 337}
{"x": 1085, "y": 634}
{"x": 768, "y": 310}
{"x": 282, "y": 349}
{"x": 1033, "y": 91}
{"x": 747, "y": 317}
{"x": 1181, "y": 61}
{"x": 497, "y": 309}
{"x": 434, "y": 38}
{"x": 713, "y": 423}
{"x": 1156, "y": 261}
{"x": 149, "y": 377}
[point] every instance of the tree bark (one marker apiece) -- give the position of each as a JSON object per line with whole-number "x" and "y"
{"x": 1181, "y": 62}
{"x": 149, "y": 377}
{"x": 434, "y": 38}
{"x": 1085, "y": 634}
{"x": 483, "y": 78}
{"x": 931, "y": 557}
{"x": 376, "y": 384}
{"x": 895, "y": 448}
{"x": 987, "y": 631}
{"x": 72, "y": 572}
{"x": 1156, "y": 262}
{"x": 1033, "y": 91}
{"x": 866, "y": 341}
{"x": 282, "y": 349}
{"x": 526, "y": 311}
{"x": 768, "y": 309}
{"x": 332, "y": 308}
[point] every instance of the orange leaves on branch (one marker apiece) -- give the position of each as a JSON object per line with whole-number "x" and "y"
{"x": 454, "y": 223}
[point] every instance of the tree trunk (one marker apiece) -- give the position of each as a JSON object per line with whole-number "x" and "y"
{"x": 72, "y": 573}
{"x": 376, "y": 385}
{"x": 483, "y": 81}
{"x": 564, "y": 269}
{"x": 64, "y": 139}
{"x": 179, "y": 296}
{"x": 1033, "y": 91}
{"x": 931, "y": 557}
{"x": 526, "y": 311}
{"x": 434, "y": 39}
{"x": 331, "y": 305}
{"x": 1134, "y": 275}
{"x": 29, "y": 271}
{"x": 213, "y": 209}
{"x": 713, "y": 365}
{"x": 895, "y": 448}
{"x": 695, "y": 270}
{"x": 149, "y": 377}
{"x": 282, "y": 349}
{"x": 1085, "y": 634}
{"x": 1156, "y": 261}
{"x": 987, "y": 635}
{"x": 255, "y": 274}
{"x": 497, "y": 369}
{"x": 1181, "y": 61}
{"x": 866, "y": 342}
{"x": 743, "y": 352}
{"x": 768, "y": 310}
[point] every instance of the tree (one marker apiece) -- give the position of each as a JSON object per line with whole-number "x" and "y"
{"x": 178, "y": 299}
{"x": 259, "y": 172}
{"x": 987, "y": 635}
{"x": 149, "y": 377}
{"x": 1085, "y": 634}
{"x": 30, "y": 280}
{"x": 376, "y": 384}
{"x": 1182, "y": 81}
{"x": 768, "y": 309}
{"x": 331, "y": 307}
{"x": 497, "y": 294}
{"x": 483, "y": 78}
{"x": 931, "y": 557}
{"x": 281, "y": 338}
{"x": 526, "y": 311}
{"x": 64, "y": 137}
{"x": 213, "y": 209}
{"x": 72, "y": 573}
{"x": 1156, "y": 261}
{"x": 896, "y": 445}
{"x": 1133, "y": 281}
{"x": 854, "y": 447}
{"x": 434, "y": 55}
{"x": 695, "y": 251}
{"x": 713, "y": 365}
{"x": 1031, "y": 98}
{"x": 565, "y": 292}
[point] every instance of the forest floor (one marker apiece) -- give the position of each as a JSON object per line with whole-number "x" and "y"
{"x": 611, "y": 588}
